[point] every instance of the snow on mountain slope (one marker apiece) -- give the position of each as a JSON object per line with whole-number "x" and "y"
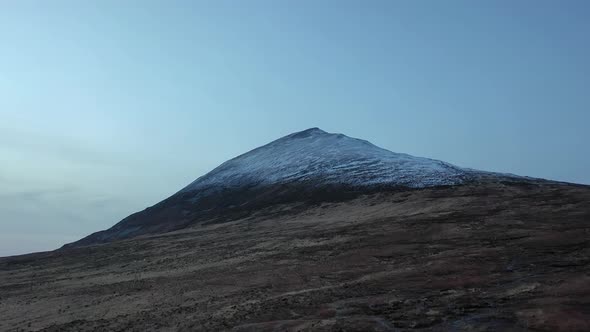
{"x": 318, "y": 158}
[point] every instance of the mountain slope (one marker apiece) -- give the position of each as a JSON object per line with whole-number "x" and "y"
{"x": 311, "y": 165}
{"x": 476, "y": 257}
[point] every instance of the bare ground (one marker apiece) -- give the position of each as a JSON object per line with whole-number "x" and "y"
{"x": 472, "y": 258}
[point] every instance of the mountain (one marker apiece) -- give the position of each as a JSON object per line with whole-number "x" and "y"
{"x": 320, "y": 158}
{"x": 323, "y": 232}
{"x": 308, "y": 166}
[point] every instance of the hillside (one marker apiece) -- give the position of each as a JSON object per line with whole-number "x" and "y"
{"x": 486, "y": 257}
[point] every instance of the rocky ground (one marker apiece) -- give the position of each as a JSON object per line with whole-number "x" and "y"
{"x": 471, "y": 258}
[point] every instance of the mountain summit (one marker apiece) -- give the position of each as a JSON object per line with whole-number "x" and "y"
{"x": 320, "y": 158}
{"x": 306, "y": 166}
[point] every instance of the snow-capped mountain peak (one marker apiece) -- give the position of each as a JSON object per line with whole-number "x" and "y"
{"x": 307, "y": 166}
{"x": 316, "y": 157}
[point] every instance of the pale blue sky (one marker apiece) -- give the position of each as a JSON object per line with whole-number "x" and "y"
{"x": 107, "y": 107}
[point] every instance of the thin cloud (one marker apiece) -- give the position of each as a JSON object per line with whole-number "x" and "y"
{"x": 58, "y": 147}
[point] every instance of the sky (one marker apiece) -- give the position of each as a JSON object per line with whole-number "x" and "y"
{"x": 107, "y": 107}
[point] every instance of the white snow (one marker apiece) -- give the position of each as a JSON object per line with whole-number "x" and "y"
{"x": 324, "y": 158}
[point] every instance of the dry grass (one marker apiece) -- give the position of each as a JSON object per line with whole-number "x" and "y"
{"x": 493, "y": 257}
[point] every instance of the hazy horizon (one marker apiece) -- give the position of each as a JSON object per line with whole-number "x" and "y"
{"x": 107, "y": 108}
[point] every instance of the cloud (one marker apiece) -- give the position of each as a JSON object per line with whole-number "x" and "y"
{"x": 60, "y": 147}
{"x": 21, "y": 243}
{"x": 45, "y": 218}
{"x": 63, "y": 210}
{"x": 35, "y": 196}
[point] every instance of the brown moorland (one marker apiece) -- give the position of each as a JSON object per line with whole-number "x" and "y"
{"x": 485, "y": 257}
